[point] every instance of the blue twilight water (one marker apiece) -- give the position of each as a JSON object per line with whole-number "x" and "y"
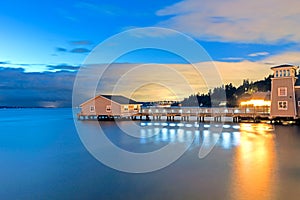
{"x": 42, "y": 157}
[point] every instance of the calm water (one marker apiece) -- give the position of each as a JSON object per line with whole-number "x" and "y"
{"x": 42, "y": 157}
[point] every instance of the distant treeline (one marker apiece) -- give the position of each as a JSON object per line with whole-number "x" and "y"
{"x": 217, "y": 97}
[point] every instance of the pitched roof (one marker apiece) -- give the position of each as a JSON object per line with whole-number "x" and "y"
{"x": 284, "y": 65}
{"x": 120, "y": 99}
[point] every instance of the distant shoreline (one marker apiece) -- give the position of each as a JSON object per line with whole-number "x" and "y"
{"x": 19, "y": 107}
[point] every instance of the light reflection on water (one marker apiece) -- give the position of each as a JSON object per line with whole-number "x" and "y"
{"x": 180, "y": 132}
{"x": 254, "y": 171}
{"x": 254, "y": 166}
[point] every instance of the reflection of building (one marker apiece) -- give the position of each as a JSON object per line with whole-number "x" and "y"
{"x": 285, "y": 93}
{"x": 109, "y": 105}
{"x": 254, "y": 165}
{"x": 257, "y": 102}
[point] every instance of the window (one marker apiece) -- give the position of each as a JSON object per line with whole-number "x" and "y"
{"x": 276, "y": 73}
{"x": 284, "y": 72}
{"x": 298, "y": 103}
{"x": 135, "y": 107}
{"x": 125, "y": 108}
{"x": 282, "y": 105}
{"x": 280, "y": 73}
{"x": 108, "y": 108}
{"x": 92, "y": 109}
{"x": 288, "y": 72}
{"x": 282, "y": 91}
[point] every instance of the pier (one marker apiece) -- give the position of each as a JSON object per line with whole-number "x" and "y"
{"x": 217, "y": 114}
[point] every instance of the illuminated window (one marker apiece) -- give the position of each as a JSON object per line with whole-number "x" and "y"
{"x": 135, "y": 107}
{"x": 282, "y": 105}
{"x": 125, "y": 108}
{"x": 108, "y": 108}
{"x": 282, "y": 91}
{"x": 92, "y": 108}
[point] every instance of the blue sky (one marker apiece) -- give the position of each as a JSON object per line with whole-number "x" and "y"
{"x": 239, "y": 35}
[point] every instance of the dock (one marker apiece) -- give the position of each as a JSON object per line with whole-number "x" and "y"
{"x": 200, "y": 114}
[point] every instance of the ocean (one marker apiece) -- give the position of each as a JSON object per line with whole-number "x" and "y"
{"x": 42, "y": 156}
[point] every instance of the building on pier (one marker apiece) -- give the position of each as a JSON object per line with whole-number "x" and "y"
{"x": 285, "y": 92}
{"x": 110, "y": 105}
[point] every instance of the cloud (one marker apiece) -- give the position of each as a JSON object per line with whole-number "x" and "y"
{"x": 267, "y": 21}
{"x": 233, "y": 58}
{"x": 142, "y": 81}
{"x": 61, "y": 49}
{"x": 50, "y": 89}
{"x": 286, "y": 57}
{"x": 258, "y": 54}
{"x": 4, "y": 62}
{"x": 65, "y": 67}
{"x": 81, "y": 42}
{"x": 80, "y": 50}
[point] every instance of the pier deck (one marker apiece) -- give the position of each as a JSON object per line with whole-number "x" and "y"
{"x": 186, "y": 114}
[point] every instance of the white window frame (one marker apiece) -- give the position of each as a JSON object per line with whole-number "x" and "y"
{"x": 284, "y": 94}
{"x": 92, "y": 108}
{"x": 280, "y": 105}
{"x": 108, "y": 108}
{"x": 126, "y": 108}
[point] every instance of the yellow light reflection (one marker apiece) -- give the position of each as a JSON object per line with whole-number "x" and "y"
{"x": 254, "y": 167}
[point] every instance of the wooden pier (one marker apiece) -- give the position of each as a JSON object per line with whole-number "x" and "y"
{"x": 188, "y": 114}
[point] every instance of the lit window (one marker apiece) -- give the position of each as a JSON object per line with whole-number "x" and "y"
{"x": 135, "y": 107}
{"x": 282, "y": 91}
{"x": 282, "y": 105}
{"x": 108, "y": 108}
{"x": 125, "y": 108}
{"x": 92, "y": 108}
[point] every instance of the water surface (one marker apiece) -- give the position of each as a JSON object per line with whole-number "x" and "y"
{"x": 42, "y": 157}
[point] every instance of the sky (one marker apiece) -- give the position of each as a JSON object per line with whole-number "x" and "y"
{"x": 43, "y": 45}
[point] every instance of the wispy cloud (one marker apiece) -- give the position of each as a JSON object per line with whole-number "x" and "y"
{"x": 61, "y": 49}
{"x": 259, "y": 54}
{"x": 65, "y": 67}
{"x": 4, "y": 62}
{"x": 80, "y": 50}
{"x": 268, "y": 21}
{"x": 233, "y": 58}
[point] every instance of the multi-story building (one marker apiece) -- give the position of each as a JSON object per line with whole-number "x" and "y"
{"x": 285, "y": 92}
